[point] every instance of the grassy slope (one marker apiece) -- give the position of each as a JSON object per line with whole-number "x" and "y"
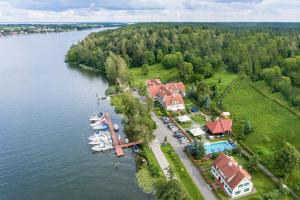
{"x": 263, "y": 87}
{"x": 225, "y": 77}
{"x": 169, "y": 75}
{"x": 272, "y": 123}
{"x": 155, "y": 71}
{"x": 181, "y": 173}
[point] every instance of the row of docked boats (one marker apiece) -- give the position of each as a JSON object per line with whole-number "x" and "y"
{"x": 101, "y": 139}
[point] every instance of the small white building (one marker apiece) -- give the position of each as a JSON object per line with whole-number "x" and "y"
{"x": 183, "y": 119}
{"x": 231, "y": 177}
{"x": 197, "y": 131}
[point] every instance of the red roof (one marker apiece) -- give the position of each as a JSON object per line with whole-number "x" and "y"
{"x": 173, "y": 99}
{"x": 171, "y": 93}
{"x": 219, "y": 126}
{"x": 231, "y": 172}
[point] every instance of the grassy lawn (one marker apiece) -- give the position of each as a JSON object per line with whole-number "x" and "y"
{"x": 148, "y": 174}
{"x": 181, "y": 173}
{"x": 263, "y": 87}
{"x": 185, "y": 125}
{"x": 155, "y": 71}
{"x": 261, "y": 183}
{"x": 222, "y": 79}
{"x": 152, "y": 160}
{"x": 272, "y": 123}
{"x": 199, "y": 119}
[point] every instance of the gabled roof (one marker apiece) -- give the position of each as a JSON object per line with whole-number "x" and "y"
{"x": 173, "y": 99}
{"x": 219, "y": 126}
{"x": 231, "y": 172}
{"x": 170, "y": 93}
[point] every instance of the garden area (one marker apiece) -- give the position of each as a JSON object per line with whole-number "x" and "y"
{"x": 199, "y": 119}
{"x": 181, "y": 173}
{"x": 271, "y": 123}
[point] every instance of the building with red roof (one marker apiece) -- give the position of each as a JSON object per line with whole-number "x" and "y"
{"x": 220, "y": 126}
{"x": 231, "y": 177}
{"x": 170, "y": 95}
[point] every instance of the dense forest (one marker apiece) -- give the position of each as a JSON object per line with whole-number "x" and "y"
{"x": 261, "y": 51}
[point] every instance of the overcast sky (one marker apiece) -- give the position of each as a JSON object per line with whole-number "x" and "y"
{"x": 148, "y": 10}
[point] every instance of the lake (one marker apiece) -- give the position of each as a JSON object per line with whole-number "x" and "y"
{"x": 44, "y": 111}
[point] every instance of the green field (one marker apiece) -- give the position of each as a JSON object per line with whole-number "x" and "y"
{"x": 272, "y": 123}
{"x": 181, "y": 173}
{"x": 156, "y": 71}
{"x": 222, "y": 79}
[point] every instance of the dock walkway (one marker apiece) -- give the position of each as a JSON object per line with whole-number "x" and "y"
{"x": 116, "y": 142}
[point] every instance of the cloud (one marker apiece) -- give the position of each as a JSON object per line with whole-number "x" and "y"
{"x": 145, "y": 10}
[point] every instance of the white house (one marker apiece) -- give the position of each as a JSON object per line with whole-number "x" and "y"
{"x": 231, "y": 177}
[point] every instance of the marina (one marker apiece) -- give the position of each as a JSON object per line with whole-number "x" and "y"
{"x": 105, "y": 137}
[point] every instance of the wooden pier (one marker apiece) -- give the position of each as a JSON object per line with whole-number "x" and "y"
{"x": 118, "y": 145}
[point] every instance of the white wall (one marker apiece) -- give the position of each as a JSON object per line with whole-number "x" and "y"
{"x": 241, "y": 189}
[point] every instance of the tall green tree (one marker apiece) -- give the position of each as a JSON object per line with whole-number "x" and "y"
{"x": 116, "y": 70}
{"x": 287, "y": 159}
{"x": 169, "y": 190}
{"x": 186, "y": 71}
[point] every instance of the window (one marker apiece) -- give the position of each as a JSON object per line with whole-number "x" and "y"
{"x": 240, "y": 186}
{"x": 246, "y": 190}
{"x": 230, "y": 191}
{"x": 246, "y": 184}
{"x": 237, "y": 192}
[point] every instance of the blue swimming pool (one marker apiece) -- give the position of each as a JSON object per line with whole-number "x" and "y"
{"x": 218, "y": 147}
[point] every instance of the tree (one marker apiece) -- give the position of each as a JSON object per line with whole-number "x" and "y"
{"x": 150, "y": 57}
{"x": 169, "y": 190}
{"x": 159, "y": 55}
{"x": 287, "y": 159}
{"x": 284, "y": 86}
{"x": 186, "y": 71}
{"x": 247, "y": 128}
{"x": 116, "y": 70}
{"x": 207, "y": 70}
{"x": 196, "y": 150}
{"x": 271, "y": 74}
{"x": 253, "y": 164}
{"x": 170, "y": 61}
{"x": 207, "y": 102}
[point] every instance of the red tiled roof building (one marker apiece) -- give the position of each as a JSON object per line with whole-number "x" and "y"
{"x": 220, "y": 126}
{"x": 170, "y": 95}
{"x": 231, "y": 177}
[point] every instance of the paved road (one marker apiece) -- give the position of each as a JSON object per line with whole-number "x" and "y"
{"x": 160, "y": 157}
{"x": 163, "y": 131}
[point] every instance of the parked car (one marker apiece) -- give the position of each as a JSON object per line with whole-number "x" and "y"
{"x": 166, "y": 120}
{"x": 183, "y": 140}
{"x": 169, "y": 125}
{"x": 136, "y": 149}
{"x": 174, "y": 129}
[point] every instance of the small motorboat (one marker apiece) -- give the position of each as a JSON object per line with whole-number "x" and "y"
{"x": 99, "y": 147}
{"x": 98, "y": 122}
{"x": 94, "y": 142}
{"x": 100, "y": 127}
{"x": 116, "y": 127}
{"x": 96, "y": 116}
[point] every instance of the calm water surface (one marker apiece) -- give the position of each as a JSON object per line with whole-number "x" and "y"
{"x": 44, "y": 110}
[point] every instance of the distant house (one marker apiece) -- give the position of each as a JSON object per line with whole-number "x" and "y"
{"x": 169, "y": 95}
{"x": 231, "y": 177}
{"x": 220, "y": 126}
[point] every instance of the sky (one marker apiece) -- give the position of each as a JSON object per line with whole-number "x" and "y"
{"x": 149, "y": 10}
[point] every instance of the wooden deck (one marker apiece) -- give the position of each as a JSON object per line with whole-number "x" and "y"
{"x": 130, "y": 144}
{"x": 116, "y": 142}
